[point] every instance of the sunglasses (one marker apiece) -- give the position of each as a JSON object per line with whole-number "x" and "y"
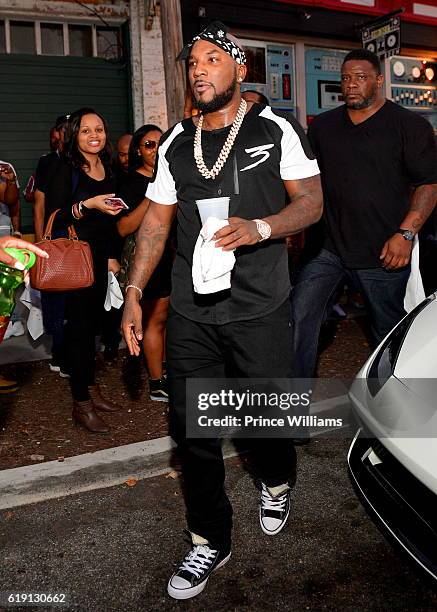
{"x": 149, "y": 144}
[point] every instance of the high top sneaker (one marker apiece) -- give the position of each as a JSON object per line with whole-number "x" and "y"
{"x": 273, "y": 510}
{"x": 193, "y": 573}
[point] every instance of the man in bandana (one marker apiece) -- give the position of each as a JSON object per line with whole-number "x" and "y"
{"x": 248, "y": 153}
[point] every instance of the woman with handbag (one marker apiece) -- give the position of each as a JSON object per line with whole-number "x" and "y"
{"x": 142, "y": 155}
{"x": 84, "y": 184}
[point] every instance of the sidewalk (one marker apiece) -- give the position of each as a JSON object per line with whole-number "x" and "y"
{"x": 115, "y": 466}
{"x": 55, "y": 459}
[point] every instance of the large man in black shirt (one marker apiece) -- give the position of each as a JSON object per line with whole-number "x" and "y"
{"x": 379, "y": 172}
{"x": 243, "y": 330}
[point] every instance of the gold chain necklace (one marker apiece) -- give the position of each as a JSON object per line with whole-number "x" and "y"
{"x": 226, "y": 149}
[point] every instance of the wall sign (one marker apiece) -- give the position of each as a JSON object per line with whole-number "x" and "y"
{"x": 383, "y": 39}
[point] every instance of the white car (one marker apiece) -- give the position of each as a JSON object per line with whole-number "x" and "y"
{"x": 393, "y": 457}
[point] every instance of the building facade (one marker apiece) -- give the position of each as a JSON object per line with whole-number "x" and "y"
{"x": 118, "y": 57}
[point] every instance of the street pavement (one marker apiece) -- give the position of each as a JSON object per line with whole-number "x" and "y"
{"x": 113, "y": 549}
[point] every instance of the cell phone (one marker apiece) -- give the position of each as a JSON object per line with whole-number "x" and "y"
{"x": 116, "y": 202}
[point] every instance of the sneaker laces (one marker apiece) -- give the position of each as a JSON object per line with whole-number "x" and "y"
{"x": 198, "y": 560}
{"x": 273, "y": 503}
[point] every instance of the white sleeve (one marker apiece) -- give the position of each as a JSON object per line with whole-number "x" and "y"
{"x": 163, "y": 188}
{"x": 295, "y": 164}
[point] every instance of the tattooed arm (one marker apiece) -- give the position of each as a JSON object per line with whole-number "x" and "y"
{"x": 305, "y": 208}
{"x": 150, "y": 243}
{"x": 396, "y": 252}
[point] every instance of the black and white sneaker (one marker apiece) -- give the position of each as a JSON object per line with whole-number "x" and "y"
{"x": 194, "y": 571}
{"x": 60, "y": 368}
{"x": 273, "y": 511}
{"x": 54, "y": 366}
{"x": 158, "y": 390}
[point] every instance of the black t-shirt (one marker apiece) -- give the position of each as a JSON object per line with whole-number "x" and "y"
{"x": 70, "y": 185}
{"x": 95, "y": 227}
{"x": 47, "y": 165}
{"x": 133, "y": 189}
{"x": 268, "y": 150}
{"x": 368, "y": 171}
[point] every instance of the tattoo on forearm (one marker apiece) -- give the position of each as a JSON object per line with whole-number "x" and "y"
{"x": 423, "y": 202}
{"x": 304, "y": 210}
{"x": 150, "y": 244}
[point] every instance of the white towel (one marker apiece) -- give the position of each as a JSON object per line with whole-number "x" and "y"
{"x": 414, "y": 293}
{"x": 212, "y": 267}
{"x": 114, "y": 296}
{"x": 31, "y": 298}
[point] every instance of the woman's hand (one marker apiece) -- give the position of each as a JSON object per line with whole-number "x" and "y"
{"x": 98, "y": 203}
{"x": 113, "y": 266}
{"x": 17, "y": 243}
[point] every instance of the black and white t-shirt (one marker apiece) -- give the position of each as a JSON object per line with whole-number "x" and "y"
{"x": 267, "y": 151}
{"x": 368, "y": 171}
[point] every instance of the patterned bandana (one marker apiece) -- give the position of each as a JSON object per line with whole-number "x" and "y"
{"x": 215, "y": 33}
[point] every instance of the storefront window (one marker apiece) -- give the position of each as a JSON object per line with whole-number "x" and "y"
{"x": 52, "y": 39}
{"x": 256, "y": 64}
{"x": 22, "y": 37}
{"x": 109, "y": 43}
{"x": 80, "y": 40}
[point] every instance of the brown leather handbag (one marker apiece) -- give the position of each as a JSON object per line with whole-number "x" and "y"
{"x": 70, "y": 263}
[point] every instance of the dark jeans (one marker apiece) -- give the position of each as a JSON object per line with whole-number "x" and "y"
{"x": 257, "y": 349}
{"x": 383, "y": 293}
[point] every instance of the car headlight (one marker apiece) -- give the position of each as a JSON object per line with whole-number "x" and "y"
{"x": 384, "y": 362}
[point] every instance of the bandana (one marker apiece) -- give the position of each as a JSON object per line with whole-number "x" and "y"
{"x": 215, "y": 33}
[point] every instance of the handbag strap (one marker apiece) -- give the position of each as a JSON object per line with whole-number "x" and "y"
{"x": 49, "y": 227}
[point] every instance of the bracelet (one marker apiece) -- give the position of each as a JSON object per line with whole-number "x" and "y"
{"x": 79, "y": 208}
{"x": 135, "y": 287}
{"x": 72, "y": 212}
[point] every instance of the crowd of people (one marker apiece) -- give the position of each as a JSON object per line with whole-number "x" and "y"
{"x": 78, "y": 178}
{"x": 372, "y": 163}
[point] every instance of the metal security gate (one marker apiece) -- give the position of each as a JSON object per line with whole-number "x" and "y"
{"x": 34, "y": 90}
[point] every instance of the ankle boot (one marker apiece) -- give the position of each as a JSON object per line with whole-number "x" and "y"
{"x": 84, "y": 413}
{"x": 100, "y": 402}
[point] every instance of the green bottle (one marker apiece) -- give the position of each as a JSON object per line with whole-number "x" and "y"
{"x": 10, "y": 279}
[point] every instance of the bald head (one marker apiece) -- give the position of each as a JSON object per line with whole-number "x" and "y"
{"x": 123, "y": 151}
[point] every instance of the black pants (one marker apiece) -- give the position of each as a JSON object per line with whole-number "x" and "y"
{"x": 53, "y": 313}
{"x": 111, "y": 321}
{"x": 259, "y": 348}
{"x": 83, "y": 315}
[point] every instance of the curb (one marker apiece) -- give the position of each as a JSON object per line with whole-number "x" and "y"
{"x": 106, "y": 468}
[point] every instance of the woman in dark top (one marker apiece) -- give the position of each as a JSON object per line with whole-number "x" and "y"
{"x": 83, "y": 184}
{"x": 142, "y": 154}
